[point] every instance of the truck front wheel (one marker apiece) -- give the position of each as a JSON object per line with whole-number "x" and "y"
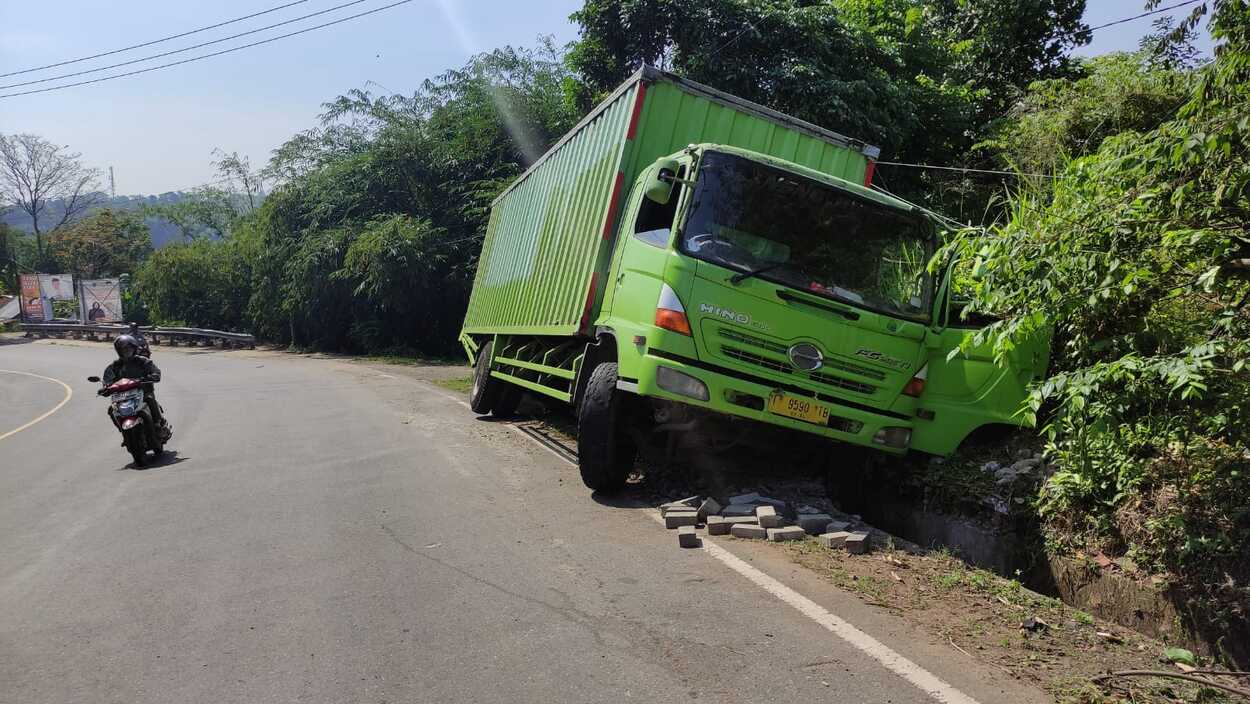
{"x": 605, "y": 449}
{"x": 486, "y": 389}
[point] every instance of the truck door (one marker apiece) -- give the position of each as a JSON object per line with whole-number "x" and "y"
{"x": 971, "y": 390}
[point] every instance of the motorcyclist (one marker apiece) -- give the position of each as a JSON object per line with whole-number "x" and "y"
{"x": 130, "y": 365}
{"x": 137, "y": 334}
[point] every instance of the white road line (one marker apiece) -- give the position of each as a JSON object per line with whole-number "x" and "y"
{"x": 69, "y": 393}
{"x": 926, "y": 681}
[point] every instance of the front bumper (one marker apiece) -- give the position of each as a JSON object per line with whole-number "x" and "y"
{"x": 733, "y": 394}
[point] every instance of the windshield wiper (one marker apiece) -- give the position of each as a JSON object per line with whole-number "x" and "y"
{"x": 739, "y": 278}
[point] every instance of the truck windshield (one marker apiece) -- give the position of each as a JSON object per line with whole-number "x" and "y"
{"x": 800, "y": 233}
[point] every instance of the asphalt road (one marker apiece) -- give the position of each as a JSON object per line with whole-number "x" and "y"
{"x": 333, "y": 532}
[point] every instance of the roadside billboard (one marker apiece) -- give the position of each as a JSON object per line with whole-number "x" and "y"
{"x": 101, "y": 301}
{"x": 32, "y": 299}
{"x": 57, "y": 287}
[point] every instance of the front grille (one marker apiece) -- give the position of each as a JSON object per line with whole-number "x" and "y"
{"x": 784, "y": 368}
{"x": 752, "y": 340}
{"x": 778, "y": 348}
{"x": 854, "y": 369}
{"x": 843, "y": 383}
{"x": 757, "y": 360}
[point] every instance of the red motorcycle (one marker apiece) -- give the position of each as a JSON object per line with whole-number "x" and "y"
{"x": 132, "y": 417}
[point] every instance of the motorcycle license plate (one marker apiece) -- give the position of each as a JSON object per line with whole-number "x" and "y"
{"x": 798, "y": 408}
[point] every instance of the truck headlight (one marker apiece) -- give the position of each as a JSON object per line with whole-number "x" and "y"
{"x": 893, "y": 437}
{"x": 676, "y": 382}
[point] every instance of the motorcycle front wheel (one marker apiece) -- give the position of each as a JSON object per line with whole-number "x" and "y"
{"x": 135, "y": 444}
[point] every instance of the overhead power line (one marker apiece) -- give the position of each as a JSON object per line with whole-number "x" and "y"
{"x": 1145, "y": 14}
{"x": 210, "y": 55}
{"x": 963, "y": 169}
{"x": 156, "y": 41}
{"x": 189, "y": 48}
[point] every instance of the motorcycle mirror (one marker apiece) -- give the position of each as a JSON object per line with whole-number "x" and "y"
{"x": 93, "y": 379}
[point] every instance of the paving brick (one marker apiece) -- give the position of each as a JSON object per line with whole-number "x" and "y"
{"x": 747, "y": 530}
{"x": 687, "y": 538}
{"x": 755, "y": 497}
{"x": 778, "y": 535}
{"x": 768, "y": 516}
{"x": 718, "y": 525}
{"x": 709, "y": 508}
{"x": 857, "y": 543}
{"x": 738, "y": 510}
{"x": 676, "y": 519}
{"x": 833, "y": 539}
{"x": 814, "y": 523}
{"x": 689, "y": 504}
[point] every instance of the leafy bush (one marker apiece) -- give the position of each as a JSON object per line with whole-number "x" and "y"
{"x": 1138, "y": 255}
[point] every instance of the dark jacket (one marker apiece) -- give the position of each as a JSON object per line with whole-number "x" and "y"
{"x": 136, "y": 367}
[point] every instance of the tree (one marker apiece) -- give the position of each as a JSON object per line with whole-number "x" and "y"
{"x": 368, "y": 244}
{"x": 1138, "y": 255}
{"x": 1004, "y": 45}
{"x": 236, "y": 172}
{"x": 34, "y": 173}
{"x": 205, "y": 211}
{"x": 9, "y": 267}
{"x": 106, "y": 243}
{"x": 202, "y": 283}
{"x": 875, "y": 71}
{"x": 1059, "y": 119}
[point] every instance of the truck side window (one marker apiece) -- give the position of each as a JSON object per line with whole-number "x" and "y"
{"x": 655, "y": 222}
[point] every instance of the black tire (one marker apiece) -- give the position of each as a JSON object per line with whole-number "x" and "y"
{"x": 605, "y": 449}
{"x": 508, "y": 401}
{"x": 135, "y": 446}
{"x": 486, "y": 389}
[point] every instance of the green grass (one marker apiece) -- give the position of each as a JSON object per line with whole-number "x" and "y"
{"x": 414, "y": 360}
{"x": 459, "y": 384}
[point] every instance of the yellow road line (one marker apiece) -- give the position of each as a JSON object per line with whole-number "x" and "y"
{"x": 69, "y": 393}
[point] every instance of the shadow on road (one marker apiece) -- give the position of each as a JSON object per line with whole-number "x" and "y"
{"x": 15, "y": 340}
{"x": 167, "y": 458}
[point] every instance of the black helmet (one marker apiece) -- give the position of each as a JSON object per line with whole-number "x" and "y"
{"x": 124, "y": 342}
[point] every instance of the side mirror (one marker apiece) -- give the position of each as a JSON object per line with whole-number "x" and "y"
{"x": 93, "y": 379}
{"x": 660, "y": 189}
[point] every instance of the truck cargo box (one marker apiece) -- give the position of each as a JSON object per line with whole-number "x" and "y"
{"x": 549, "y": 239}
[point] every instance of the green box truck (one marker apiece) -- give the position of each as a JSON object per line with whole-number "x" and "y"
{"x": 686, "y": 255}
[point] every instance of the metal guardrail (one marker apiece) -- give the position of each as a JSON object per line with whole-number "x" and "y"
{"x": 193, "y": 337}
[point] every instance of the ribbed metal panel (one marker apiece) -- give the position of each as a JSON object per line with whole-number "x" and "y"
{"x": 674, "y": 117}
{"x": 545, "y": 240}
{"x": 546, "y": 233}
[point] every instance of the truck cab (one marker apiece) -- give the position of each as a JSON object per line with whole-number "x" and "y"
{"x": 749, "y": 287}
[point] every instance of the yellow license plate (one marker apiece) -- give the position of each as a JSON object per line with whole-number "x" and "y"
{"x": 797, "y": 407}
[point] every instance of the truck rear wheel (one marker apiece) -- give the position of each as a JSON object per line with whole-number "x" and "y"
{"x": 508, "y": 401}
{"x": 605, "y": 449}
{"x": 486, "y": 389}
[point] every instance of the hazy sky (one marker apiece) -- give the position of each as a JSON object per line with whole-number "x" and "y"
{"x": 158, "y": 129}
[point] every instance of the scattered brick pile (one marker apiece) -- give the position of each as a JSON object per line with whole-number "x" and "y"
{"x": 752, "y": 516}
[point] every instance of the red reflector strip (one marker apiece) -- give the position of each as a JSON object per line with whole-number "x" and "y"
{"x": 868, "y": 172}
{"x": 590, "y": 301}
{"x": 614, "y": 204}
{"x": 914, "y": 388}
{"x": 633, "y": 118}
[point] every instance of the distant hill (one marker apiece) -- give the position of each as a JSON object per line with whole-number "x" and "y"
{"x": 162, "y": 230}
